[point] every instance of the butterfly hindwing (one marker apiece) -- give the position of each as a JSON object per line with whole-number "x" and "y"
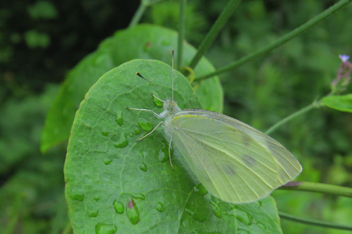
{"x": 231, "y": 159}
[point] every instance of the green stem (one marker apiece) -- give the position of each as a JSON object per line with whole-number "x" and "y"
{"x": 279, "y": 42}
{"x": 214, "y": 31}
{"x": 315, "y": 104}
{"x": 314, "y": 222}
{"x": 138, "y": 15}
{"x": 181, "y": 33}
{"x": 320, "y": 188}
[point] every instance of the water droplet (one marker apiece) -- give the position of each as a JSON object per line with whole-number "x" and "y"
{"x": 96, "y": 198}
{"x": 119, "y": 207}
{"x": 102, "y": 228}
{"x": 138, "y": 196}
{"x": 121, "y": 142}
{"x": 241, "y": 231}
{"x": 119, "y": 118}
{"x": 243, "y": 216}
{"x": 164, "y": 153}
{"x": 145, "y": 125}
{"x": 132, "y": 212}
{"x": 137, "y": 130}
{"x": 131, "y": 134}
{"x": 143, "y": 167}
{"x": 157, "y": 102}
{"x": 216, "y": 209}
{"x": 105, "y": 133}
{"x": 107, "y": 161}
{"x": 78, "y": 197}
{"x": 261, "y": 225}
{"x": 260, "y": 203}
{"x": 160, "y": 207}
{"x": 93, "y": 213}
{"x": 200, "y": 189}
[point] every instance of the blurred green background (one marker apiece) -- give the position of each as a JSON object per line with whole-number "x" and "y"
{"x": 40, "y": 41}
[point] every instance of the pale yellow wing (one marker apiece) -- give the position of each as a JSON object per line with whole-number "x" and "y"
{"x": 234, "y": 161}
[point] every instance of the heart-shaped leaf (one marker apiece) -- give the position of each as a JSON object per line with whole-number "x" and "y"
{"x": 116, "y": 184}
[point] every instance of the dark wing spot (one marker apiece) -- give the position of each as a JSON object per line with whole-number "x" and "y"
{"x": 246, "y": 140}
{"x": 249, "y": 161}
{"x": 229, "y": 169}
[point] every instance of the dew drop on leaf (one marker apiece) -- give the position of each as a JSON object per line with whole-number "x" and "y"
{"x": 78, "y": 197}
{"x": 145, "y": 125}
{"x": 138, "y": 196}
{"x": 160, "y": 207}
{"x": 96, "y": 198}
{"x": 93, "y": 213}
{"x": 119, "y": 119}
{"x": 216, "y": 209}
{"x": 200, "y": 189}
{"x": 118, "y": 206}
{"x": 157, "y": 102}
{"x": 143, "y": 167}
{"x": 163, "y": 154}
{"x": 132, "y": 212}
{"x": 262, "y": 226}
{"x": 121, "y": 142}
{"x": 244, "y": 217}
{"x": 105, "y": 133}
{"x": 102, "y": 228}
{"x": 137, "y": 130}
{"x": 107, "y": 161}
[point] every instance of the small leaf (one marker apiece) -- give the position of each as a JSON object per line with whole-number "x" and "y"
{"x": 341, "y": 103}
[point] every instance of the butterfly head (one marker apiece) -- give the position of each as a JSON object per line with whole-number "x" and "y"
{"x": 170, "y": 107}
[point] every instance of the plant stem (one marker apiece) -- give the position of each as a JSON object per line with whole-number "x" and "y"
{"x": 138, "y": 15}
{"x": 214, "y": 31}
{"x": 315, "y": 104}
{"x": 277, "y": 43}
{"x": 181, "y": 33}
{"x": 313, "y": 222}
{"x": 321, "y": 188}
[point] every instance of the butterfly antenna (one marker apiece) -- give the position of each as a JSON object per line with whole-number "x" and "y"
{"x": 172, "y": 74}
{"x": 139, "y": 74}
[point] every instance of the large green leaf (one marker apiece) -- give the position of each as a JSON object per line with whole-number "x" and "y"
{"x": 142, "y": 41}
{"x": 118, "y": 185}
{"x": 341, "y": 103}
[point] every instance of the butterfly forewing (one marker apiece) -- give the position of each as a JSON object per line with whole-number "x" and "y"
{"x": 231, "y": 159}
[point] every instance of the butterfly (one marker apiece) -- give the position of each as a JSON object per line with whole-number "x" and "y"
{"x": 234, "y": 161}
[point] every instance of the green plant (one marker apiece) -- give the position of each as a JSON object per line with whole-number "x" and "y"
{"x": 91, "y": 204}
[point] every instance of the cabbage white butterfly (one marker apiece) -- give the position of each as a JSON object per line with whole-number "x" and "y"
{"x": 234, "y": 161}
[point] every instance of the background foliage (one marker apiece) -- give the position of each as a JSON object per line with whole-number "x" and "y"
{"x": 41, "y": 40}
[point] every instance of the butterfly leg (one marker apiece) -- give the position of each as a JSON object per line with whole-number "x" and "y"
{"x": 156, "y": 114}
{"x": 150, "y": 131}
{"x": 170, "y": 151}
